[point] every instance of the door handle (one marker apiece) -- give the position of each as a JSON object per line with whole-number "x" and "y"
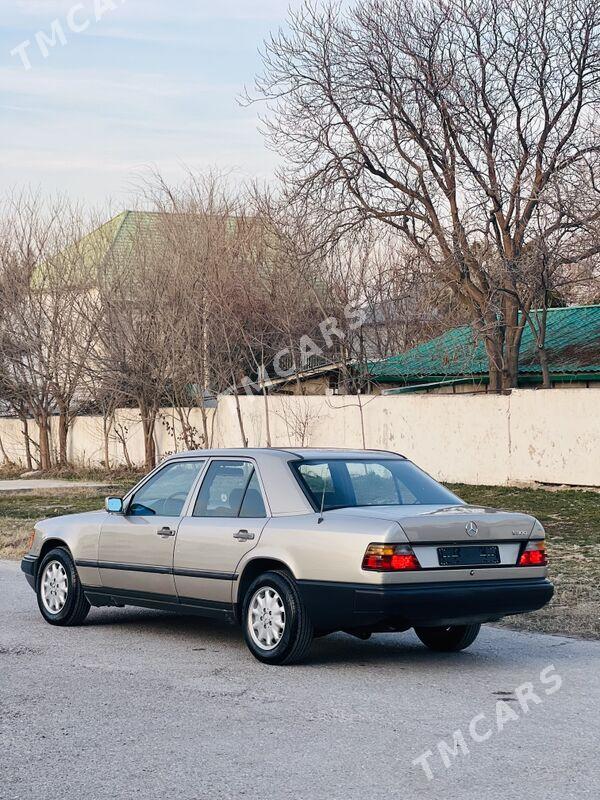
{"x": 243, "y": 535}
{"x": 166, "y": 531}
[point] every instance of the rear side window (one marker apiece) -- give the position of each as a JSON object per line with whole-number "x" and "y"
{"x": 230, "y": 489}
{"x": 253, "y": 505}
{"x": 374, "y": 484}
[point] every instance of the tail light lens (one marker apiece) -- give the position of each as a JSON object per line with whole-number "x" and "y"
{"x": 534, "y": 555}
{"x": 390, "y": 558}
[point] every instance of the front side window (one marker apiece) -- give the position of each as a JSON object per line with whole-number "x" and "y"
{"x": 230, "y": 489}
{"x": 344, "y": 483}
{"x": 166, "y": 492}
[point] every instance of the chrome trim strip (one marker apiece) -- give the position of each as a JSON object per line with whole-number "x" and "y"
{"x": 188, "y": 573}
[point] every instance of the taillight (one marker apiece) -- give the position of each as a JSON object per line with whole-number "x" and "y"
{"x": 390, "y": 558}
{"x": 534, "y": 555}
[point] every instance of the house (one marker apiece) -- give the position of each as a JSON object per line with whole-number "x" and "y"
{"x": 118, "y": 240}
{"x": 318, "y": 376}
{"x": 457, "y": 361}
{"x": 131, "y": 235}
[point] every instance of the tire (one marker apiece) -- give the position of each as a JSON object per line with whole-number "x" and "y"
{"x": 59, "y": 594}
{"x": 448, "y": 638}
{"x": 279, "y": 595}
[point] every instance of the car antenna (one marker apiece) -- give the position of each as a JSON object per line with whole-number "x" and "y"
{"x": 320, "y": 520}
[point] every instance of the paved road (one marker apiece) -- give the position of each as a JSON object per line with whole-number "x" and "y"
{"x": 140, "y": 704}
{"x": 31, "y": 484}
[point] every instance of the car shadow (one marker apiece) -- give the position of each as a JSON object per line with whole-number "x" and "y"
{"x": 158, "y": 622}
{"x": 135, "y": 615}
{"x": 382, "y": 649}
{"x": 336, "y": 650}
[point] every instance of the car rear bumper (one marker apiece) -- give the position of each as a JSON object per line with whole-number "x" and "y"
{"x": 29, "y": 567}
{"x": 335, "y": 606}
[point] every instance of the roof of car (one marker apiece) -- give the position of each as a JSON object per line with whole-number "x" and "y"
{"x": 285, "y": 453}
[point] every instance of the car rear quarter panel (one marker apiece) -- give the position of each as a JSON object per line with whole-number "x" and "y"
{"x": 333, "y": 550}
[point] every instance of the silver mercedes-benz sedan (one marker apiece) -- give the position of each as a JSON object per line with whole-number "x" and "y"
{"x": 293, "y": 544}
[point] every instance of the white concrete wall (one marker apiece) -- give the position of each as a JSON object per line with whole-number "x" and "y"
{"x": 545, "y": 436}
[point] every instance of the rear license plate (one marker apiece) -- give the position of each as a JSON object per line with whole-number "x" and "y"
{"x": 468, "y": 556}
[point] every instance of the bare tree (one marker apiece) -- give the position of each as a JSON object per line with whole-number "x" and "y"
{"x": 66, "y": 282}
{"x": 299, "y": 416}
{"x": 141, "y": 300}
{"x": 49, "y": 319}
{"x": 199, "y": 223}
{"x": 105, "y": 399}
{"x": 469, "y": 127}
{"x": 241, "y": 292}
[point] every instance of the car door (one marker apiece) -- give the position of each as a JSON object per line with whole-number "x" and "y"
{"x": 226, "y": 521}
{"x": 136, "y": 548}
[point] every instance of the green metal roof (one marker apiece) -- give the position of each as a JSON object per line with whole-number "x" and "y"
{"x": 118, "y": 237}
{"x": 572, "y": 343}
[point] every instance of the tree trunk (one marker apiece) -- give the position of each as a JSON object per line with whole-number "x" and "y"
{"x": 205, "y": 422}
{"x": 539, "y": 334}
{"x": 362, "y": 421}
{"x": 148, "y": 422}
{"x": 267, "y": 420}
{"x": 122, "y": 437}
{"x": 512, "y": 344}
{"x": 43, "y": 424}
{"x": 63, "y": 435}
{"x": 7, "y": 461}
{"x": 106, "y": 426}
{"x": 240, "y": 419}
{"x": 543, "y": 359}
{"x": 28, "y": 458}
{"x": 510, "y": 371}
{"x": 213, "y": 421}
{"x": 512, "y": 347}
{"x": 493, "y": 347}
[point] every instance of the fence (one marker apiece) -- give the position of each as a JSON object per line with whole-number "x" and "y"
{"x": 550, "y": 436}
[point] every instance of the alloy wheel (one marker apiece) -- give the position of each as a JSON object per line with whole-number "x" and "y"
{"x": 266, "y": 618}
{"x": 54, "y": 587}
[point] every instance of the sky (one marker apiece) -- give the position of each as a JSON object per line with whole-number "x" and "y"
{"x": 95, "y": 93}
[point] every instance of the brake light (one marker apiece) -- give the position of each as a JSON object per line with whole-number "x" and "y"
{"x": 534, "y": 555}
{"x": 390, "y": 558}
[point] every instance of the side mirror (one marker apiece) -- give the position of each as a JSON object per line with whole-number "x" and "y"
{"x": 114, "y": 505}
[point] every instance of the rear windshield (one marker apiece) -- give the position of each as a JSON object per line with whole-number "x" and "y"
{"x": 347, "y": 483}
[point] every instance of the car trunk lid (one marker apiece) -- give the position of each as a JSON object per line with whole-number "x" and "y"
{"x": 460, "y": 523}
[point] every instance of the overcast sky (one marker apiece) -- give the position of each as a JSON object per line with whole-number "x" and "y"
{"x": 144, "y": 82}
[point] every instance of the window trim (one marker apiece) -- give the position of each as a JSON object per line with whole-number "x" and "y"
{"x": 191, "y": 504}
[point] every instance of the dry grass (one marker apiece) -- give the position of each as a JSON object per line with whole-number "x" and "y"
{"x": 19, "y": 511}
{"x": 571, "y": 518}
{"x": 91, "y": 474}
{"x": 575, "y": 607}
{"x": 14, "y": 535}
